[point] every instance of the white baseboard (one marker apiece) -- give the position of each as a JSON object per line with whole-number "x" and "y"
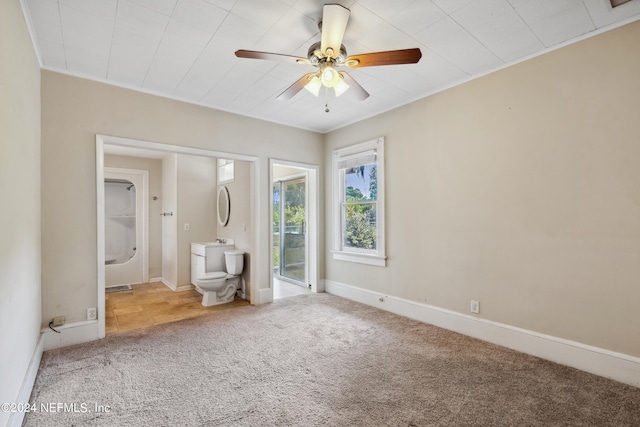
{"x": 70, "y": 334}
{"x": 598, "y": 361}
{"x": 177, "y": 288}
{"x": 265, "y": 296}
{"x": 168, "y": 284}
{"x": 155, "y": 279}
{"x": 16, "y": 418}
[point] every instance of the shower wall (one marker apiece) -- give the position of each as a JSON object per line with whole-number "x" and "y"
{"x": 154, "y": 166}
{"x": 120, "y": 221}
{"x": 126, "y": 226}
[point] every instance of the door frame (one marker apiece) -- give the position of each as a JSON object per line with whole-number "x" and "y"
{"x": 313, "y": 223}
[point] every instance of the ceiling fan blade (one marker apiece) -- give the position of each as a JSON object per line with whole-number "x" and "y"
{"x": 334, "y": 24}
{"x": 252, "y": 54}
{"x": 292, "y": 90}
{"x": 391, "y": 57}
{"x": 355, "y": 88}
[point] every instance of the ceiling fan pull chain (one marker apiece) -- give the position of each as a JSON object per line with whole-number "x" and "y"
{"x": 326, "y": 100}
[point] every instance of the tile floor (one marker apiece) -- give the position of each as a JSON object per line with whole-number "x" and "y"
{"x": 150, "y": 304}
{"x": 284, "y": 289}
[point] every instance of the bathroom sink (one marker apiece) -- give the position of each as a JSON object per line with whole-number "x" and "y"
{"x": 200, "y": 248}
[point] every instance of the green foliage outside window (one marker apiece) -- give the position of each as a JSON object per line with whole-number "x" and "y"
{"x": 360, "y": 213}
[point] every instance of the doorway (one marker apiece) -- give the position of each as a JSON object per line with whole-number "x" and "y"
{"x": 294, "y": 233}
{"x": 253, "y": 225}
{"x": 289, "y": 229}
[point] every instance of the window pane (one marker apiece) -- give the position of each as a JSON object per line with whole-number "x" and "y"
{"x": 360, "y": 225}
{"x": 361, "y": 183}
{"x": 294, "y": 248}
{"x": 358, "y": 208}
{"x": 225, "y": 172}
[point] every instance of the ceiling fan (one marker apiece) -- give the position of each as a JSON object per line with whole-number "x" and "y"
{"x": 329, "y": 54}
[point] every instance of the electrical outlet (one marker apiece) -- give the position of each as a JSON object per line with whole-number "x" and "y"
{"x": 58, "y": 321}
{"x": 92, "y": 313}
{"x": 475, "y": 307}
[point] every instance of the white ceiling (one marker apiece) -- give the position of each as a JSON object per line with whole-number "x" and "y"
{"x": 184, "y": 49}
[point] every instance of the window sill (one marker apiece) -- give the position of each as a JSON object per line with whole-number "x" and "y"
{"x": 377, "y": 260}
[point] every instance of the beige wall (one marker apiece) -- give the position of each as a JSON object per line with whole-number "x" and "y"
{"x": 154, "y": 166}
{"x": 74, "y": 110}
{"x": 196, "y": 207}
{"x": 170, "y": 222}
{"x": 20, "y": 290}
{"x": 240, "y": 215}
{"x": 521, "y": 190}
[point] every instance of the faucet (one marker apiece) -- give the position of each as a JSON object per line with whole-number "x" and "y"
{"x": 219, "y": 240}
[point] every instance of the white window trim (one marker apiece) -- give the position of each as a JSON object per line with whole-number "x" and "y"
{"x": 374, "y": 257}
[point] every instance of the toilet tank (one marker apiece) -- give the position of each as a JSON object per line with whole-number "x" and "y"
{"x": 235, "y": 261}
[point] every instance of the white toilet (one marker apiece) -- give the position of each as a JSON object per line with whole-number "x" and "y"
{"x": 215, "y": 271}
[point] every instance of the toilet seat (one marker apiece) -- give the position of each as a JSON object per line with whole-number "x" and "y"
{"x": 214, "y": 275}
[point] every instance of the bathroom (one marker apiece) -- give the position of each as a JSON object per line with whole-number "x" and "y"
{"x": 182, "y": 208}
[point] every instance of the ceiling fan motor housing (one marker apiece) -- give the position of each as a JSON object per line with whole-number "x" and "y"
{"x": 315, "y": 54}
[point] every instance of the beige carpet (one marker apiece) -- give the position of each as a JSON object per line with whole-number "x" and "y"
{"x": 317, "y": 360}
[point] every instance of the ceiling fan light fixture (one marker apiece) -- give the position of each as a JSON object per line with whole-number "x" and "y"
{"x": 330, "y": 76}
{"x": 314, "y": 85}
{"x": 340, "y": 87}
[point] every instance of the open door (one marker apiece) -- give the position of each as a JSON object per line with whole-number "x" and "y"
{"x": 289, "y": 229}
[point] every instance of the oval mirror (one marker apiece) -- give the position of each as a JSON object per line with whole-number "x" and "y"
{"x": 224, "y": 206}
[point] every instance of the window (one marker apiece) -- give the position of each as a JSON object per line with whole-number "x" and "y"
{"x": 225, "y": 171}
{"x": 359, "y": 203}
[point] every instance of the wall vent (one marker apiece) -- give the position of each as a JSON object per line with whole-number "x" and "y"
{"x": 616, "y": 3}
